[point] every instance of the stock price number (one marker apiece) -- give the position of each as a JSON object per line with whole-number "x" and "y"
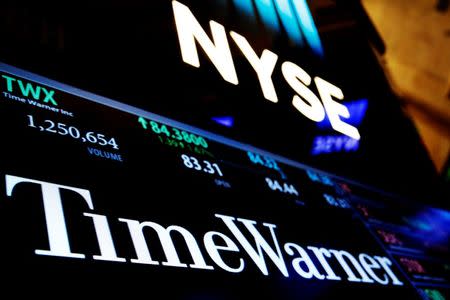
{"x": 174, "y": 133}
{"x": 73, "y": 132}
{"x": 191, "y": 162}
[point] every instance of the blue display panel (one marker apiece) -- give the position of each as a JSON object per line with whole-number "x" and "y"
{"x": 99, "y": 193}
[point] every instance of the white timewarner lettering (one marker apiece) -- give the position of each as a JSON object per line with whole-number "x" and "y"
{"x": 191, "y": 33}
{"x": 258, "y": 250}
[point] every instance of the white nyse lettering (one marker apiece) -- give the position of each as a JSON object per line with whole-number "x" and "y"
{"x": 335, "y": 109}
{"x": 189, "y": 31}
{"x": 54, "y": 215}
{"x": 263, "y": 66}
{"x": 261, "y": 244}
{"x": 298, "y": 79}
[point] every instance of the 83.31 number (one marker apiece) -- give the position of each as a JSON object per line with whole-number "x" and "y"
{"x": 191, "y": 162}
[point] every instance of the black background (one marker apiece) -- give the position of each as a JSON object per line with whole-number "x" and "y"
{"x": 129, "y": 51}
{"x": 152, "y": 184}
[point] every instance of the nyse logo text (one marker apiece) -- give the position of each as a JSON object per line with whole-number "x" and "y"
{"x": 191, "y": 34}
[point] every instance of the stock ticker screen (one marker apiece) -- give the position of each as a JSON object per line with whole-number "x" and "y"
{"x": 222, "y": 150}
{"x": 101, "y": 196}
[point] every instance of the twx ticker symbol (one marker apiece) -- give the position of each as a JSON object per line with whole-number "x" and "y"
{"x": 28, "y": 90}
{"x": 294, "y": 16}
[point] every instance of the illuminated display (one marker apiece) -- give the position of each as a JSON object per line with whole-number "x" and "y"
{"x": 182, "y": 204}
{"x": 60, "y": 245}
{"x": 357, "y": 110}
{"x": 340, "y": 143}
{"x": 335, "y": 201}
{"x": 331, "y": 144}
{"x": 73, "y": 132}
{"x": 191, "y": 34}
{"x": 433, "y": 294}
{"x": 263, "y": 161}
{"x": 231, "y": 166}
{"x": 281, "y": 187}
{"x": 27, "y": 89}
{"x": 316, "y": 177}
{"x": 191, "y": 162}
{"x": 412, "y": 265}
{"x": 390, "y": 238}
{"x": 225, "y": 121}
{"x": 174, "y": 133}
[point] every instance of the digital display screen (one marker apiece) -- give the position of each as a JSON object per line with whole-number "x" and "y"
{"x": 223, "y": 149}
{"x": 101, "y": 195}
{"x": 278, "y": 74}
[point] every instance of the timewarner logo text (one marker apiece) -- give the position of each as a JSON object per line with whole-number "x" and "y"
{"x": 308, "y": 262}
